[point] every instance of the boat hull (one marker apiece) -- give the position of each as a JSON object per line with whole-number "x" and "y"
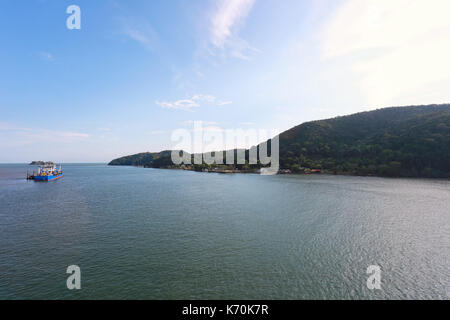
{"x": 48, "y": 178}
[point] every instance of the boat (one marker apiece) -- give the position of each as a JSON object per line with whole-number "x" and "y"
{"x": 46, "y": 173}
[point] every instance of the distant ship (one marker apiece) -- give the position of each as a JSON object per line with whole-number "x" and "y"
{"x": 46, "y": 173}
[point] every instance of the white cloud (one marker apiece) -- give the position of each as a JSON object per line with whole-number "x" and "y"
{"x": 191, "y": 122}
{"x": 141, "y": 32}
{"x": 24, "y": 136}
{"x": 193, "y": 102}
{"x": 398, "y": 50}
{"x": 224, "y": 103}
{"x": 184, "y": 104}
{"x": 204, "y": 97}
{"x": 64, "y": 134}
{"x": 225, "y": 22}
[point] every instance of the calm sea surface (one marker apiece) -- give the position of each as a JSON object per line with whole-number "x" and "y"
{"x": 169, "y": 234}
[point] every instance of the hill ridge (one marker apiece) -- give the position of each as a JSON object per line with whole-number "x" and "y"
{"x": 412, "y": 141}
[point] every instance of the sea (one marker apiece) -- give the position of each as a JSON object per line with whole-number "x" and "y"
{"x": 139, "y": 233}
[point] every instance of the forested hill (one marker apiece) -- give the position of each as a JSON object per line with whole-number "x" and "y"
{"x": 145, "y": 159}
{"x": 400, "y": 141}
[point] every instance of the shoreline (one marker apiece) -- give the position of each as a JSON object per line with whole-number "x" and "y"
{"x": 324, "y": 172}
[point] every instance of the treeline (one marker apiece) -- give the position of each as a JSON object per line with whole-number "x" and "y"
{"x": 142, "y": 159}
{"x": 396, "y": 142}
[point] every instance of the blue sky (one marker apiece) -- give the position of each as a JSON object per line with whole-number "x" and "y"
{"x": 137, "y": 70}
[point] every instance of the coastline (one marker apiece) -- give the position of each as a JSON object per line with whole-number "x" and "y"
{"x": 323, "y": 172}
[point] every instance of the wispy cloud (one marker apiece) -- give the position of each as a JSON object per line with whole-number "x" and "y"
{"x": 229, "y": 16}
{"x": 224, "y": 103}
{"x": 140, "y": 31}
{"x": 23, "y": 135}
{"x": 184, "y": 104}
{"x": 204, "y": 97}
{"x": 191, "y": 122}
{"x": 193, "y": 102}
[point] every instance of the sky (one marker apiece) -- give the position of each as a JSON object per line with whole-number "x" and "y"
{"x": 138, "y": 70}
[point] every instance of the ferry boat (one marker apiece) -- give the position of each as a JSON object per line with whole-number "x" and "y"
{"x": 46, "y": 173}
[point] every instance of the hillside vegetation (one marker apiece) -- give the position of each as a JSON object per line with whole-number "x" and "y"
{"x": 398, "y": 142}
